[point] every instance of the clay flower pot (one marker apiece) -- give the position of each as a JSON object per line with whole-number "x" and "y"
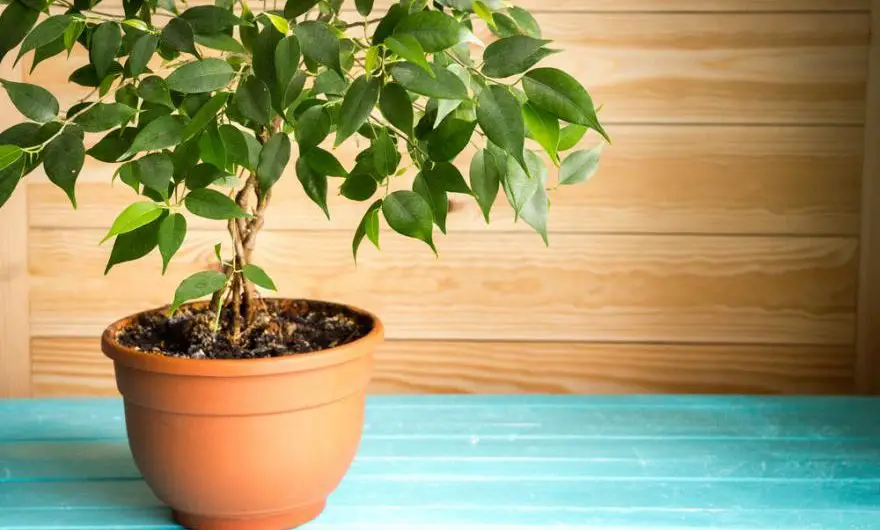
{"x": 244, "y": 444}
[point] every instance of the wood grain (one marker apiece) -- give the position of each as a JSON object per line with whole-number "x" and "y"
{"x": 868, "y": 340}
{"x": 75, "y": 366}
{"x": 687, "y": 68}
{"x": 497, "y": 286}
{"x": 15, "y": 369}
{"x": 692, "y": 179}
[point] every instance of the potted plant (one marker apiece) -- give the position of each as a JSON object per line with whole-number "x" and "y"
{"x": 244, "y": 411}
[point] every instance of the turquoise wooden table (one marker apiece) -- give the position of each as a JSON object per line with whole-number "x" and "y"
{"x": 502, "y": 463}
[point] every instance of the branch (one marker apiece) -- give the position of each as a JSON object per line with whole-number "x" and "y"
{"x": 364, "y": 23}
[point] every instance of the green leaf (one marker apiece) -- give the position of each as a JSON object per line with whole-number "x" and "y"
{"x": 205, "y": 20}
{"x": 104, "y": 44}
{"x": 450, "y": 139}
{"x": 544, "y": 128}
{"x": 220, "y": 41}
{"x": 434, "y": 30}
{"x": 155, "y": 171}
{"x": 570, "y": 135}
{"x": 113, "y": 146}
{"x": 72, "y": 34}
{"x": 273, "y": 159}
{"x": 105, "y": 116}
{"x": 172, "y": 232}
{"x": 385, "y": 155}
{"x": 165, "y": 131}
{"x": 9, "y": 178}
{"x": 264, "y": 54}
{"x": 280, "y": 23}
{"x": 389, "y": 22}
{"x": 444, "y": 84}
{"x": 312, "y": 127}
{"x": 253, "y": 100}
{"x": 525, "y": 21}
{"x": 185, "y": 156}
{"x": 141, "y": 52}
{"x": 483, "y": 11}
{"x": 536, "y": 209}
{"x": 408, "y": 48}
{"x": 16, "y": 21}
{"x": 324, "y": 163}
{"x": 134, "y": 216}
{"x": 329, "y": 82}
{"x": 211, "y": 146}
{"x": 364, "y": 7}
{"x": 580, "y": 165}
{"x": 45, "y": 33}
{"x": 319, "y": 44}
{"x": 196, "y": 286}
{"x": 203, "y": 175}
{"x": 154, "y": 90}
{"x": 212, "y": 204}
{"x": 205, "y": 115}
{"x": 359, "y": 101}
{"x": 126, "y": 175}
{"x": 408, "y": 214}
{"x": 562, "y": 96}
{"x": 287, "y": 55}
{"x": 241, "y": 148}
{"x": 513, "y": 55}
{"x": 135, "y": 244}
{"x": 205, "y": 75}
{"x": 178, "y": 35}
{"x": 500, "y": 117}
{"x": 369, "y": 226}
{"x": 9, "y": 154}
{"x": 33, "y": 101}
{"x": 295, "y": 8}
{"x": 358, "y": 186}
{"x": 137, "y": 24}
{"x": 258, "y": 276}
{"x": 447, "y": 177}
{"x": 314, "y": 184}
{"x": 63, "y": 160}
{"x": 518, "y": 185}
{"x": 48, "y": 51}
{"x": 436, "y": 198}
{"x": 293, "y": 90}
{"x": 396, "y": 107}
{"x": 485, "y": 176}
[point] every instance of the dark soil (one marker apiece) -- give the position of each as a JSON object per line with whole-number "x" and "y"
{"x": 286, "y": 327}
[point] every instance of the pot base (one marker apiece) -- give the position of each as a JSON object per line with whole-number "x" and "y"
{"x": 280, "y": 521}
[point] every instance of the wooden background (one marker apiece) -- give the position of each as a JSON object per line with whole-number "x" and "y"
{"x": 717, "y": 250}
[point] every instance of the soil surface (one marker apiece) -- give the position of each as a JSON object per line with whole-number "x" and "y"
{"x": 286, "y": 327}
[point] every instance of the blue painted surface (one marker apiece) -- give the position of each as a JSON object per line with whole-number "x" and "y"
{"x": 502, "y": 463}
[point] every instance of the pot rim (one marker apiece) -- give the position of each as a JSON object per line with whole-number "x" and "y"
{"x": 300, "y": 362}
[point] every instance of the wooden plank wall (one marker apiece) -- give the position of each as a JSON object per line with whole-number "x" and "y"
{"x": 716, "y": 251}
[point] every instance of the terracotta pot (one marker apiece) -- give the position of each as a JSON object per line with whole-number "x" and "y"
{"x": 244, "y": 444}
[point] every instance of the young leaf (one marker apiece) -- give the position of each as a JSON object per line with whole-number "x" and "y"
{"x": 212, "y": 204}
{"x": 196, "y": 286}
{"x": 434, "y": 30}
{"x": 364, "y": 7}
{"x": 562, "y": 96}
{"x": 165, "y": 131}
{"x": 295, "y": 8}
{"x": 287, "y": 55}
{"x": 104, "y": 44}
{"x": 172, "y": 231}
{"x": 359, "y": 101}
{"x": 407, "y": 213}
{"x": 206, "y": 20}
{"x": 544, "y": 128}
{"x": 45, "y": 33}
{"x": 134, "y": 216}
{"x": 396, "y": 107}
{"x": 205, "y": 75}
{"x": 500, "y": 117}
{"x": 253, "y": 100}
{"x": 273, "y": 159}
{"x": 580, "y": 165}
{"x": 485, "y": 177}
{"x": 314, "y": 184}
{"x": 570, "y": 135}
{"x": 319, "y": 44}
{"x": 408, "y": 48}
{"x": 178, "y": 35}
{"x": 154, "y": 90}
{"x": 450, "y": 139}
{"x": 444, "y": 84}
{"x": 312, "y": 127}
{"x": 105, "y": 116}
{"x": 436, "y": 198}
{"x": 33, "y": 101}
{"x": 16, "y": 21}
{"x": 369, "y": 226}
{"x": 205, "y": 115}
{"x": 324, "y": 163}
{"x": 135, "y": 244}
{"x": 358, "y": 186}
{"x": 155, "y": 171}
{"x": 280, "y": 23}
{"x": 258, "y": 276}
{"x": 63, "y": 160}
{"x": 513, "y": 55}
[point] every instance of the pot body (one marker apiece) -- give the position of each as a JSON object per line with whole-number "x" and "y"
{"x": 244, "y": 444}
